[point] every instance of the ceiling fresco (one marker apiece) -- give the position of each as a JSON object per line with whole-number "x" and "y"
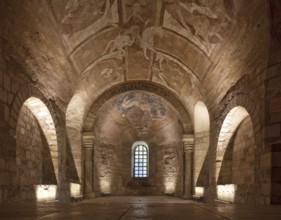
{"x": 120, "y": 40}
{"x": 138, "y": 111}
{"x": 196, "y": 49}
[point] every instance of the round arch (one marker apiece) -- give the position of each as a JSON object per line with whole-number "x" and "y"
{"x": 45, "y": 120}
{"x": 229, "y": 126}
{"x": 26, "y": 92}
{"x": 142, "y": 86}
{"x": 236, "y": 152}
{"x": 134, "y": 146}
{"x": 82, "y": 109}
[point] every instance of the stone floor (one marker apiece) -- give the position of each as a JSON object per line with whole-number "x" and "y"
{"x": 131, "y": 208}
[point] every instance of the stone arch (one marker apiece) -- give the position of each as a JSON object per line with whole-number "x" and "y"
{"x": 272, "y": 134}
{"x": 235, "y": 150}
{"x": 47, "y": 116}
{"x": 25, "y": 93}
{"x": 229, "y": 126}
{"x": 45, "y": 120}
{"x": 170, "y": 171}
{"x": 143, "y": 86}
{"x": 80, "y": 114}
{"x": 202, "y": 142}
{"x": 238, "y": 96}
{"x": 229, "y": 102}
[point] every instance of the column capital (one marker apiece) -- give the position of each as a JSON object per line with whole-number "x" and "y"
{"x": 188, "y": 141}
{"x": 188, "y": 138}
{"x": 88, "y": 139}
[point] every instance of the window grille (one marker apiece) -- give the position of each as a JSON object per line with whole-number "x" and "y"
{"x": 140, "y": 161}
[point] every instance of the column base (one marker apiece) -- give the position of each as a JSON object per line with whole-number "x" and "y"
{"x": 89, "y": 196}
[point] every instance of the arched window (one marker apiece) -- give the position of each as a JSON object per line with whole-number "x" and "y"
{"x": 140, "y": 159}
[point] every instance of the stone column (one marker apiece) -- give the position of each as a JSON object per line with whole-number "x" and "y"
{"x": 188, "y": 142}
{"x": 88, "y": 150}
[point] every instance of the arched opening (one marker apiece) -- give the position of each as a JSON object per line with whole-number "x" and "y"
{"x": 119, "y": 124}
{"x": 235, "y": 158}
{"x": 82, "y": 115}
{"x": 202, "y": 139}
{"x": 37, "y": 152}
{"x": 140, "y": 159}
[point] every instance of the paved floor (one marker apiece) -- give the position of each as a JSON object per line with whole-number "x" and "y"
{"x": 133, "y": 208}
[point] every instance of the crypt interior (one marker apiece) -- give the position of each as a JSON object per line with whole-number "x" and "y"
{"x": 171, "y": 99}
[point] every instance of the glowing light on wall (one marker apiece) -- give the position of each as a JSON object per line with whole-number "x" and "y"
{"x": 45, "y": 192}
{"x": 75, "y": 189}
{"x": 170, "y": 185}
{"x": 201, "y": 117}
{"x": 105, "y": 185}
{"x": 199, "y": 191}
{"x": 226, "y": 192}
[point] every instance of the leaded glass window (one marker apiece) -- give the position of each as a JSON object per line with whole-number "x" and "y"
{"x": 140, "y": 161}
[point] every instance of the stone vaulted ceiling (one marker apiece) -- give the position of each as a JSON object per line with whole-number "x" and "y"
{"x": 197, "y": 49}
{"x": 137, "y": 115}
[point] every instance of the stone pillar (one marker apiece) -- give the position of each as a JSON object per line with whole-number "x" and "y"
{"x": 88, "y": 150}
{"x": 188, "y": 142}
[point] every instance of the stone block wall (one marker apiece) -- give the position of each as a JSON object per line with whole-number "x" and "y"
{"x": 275, "y": 174}
{"x": 48, "y": 169}
{"x": 39, "y": 109}
{"x": 238, "y": 166}
{"x": 34, "y": 165}
{"x": 201, "y": 162}
{"x": 243, "y": 153}
{"x": 272, "y": 103}
{"x": 107, "y": 168}
{"x": 243, "y": 164}
{"x": 29, "y": 155}
{"x": 225, "y": 174}
{"x": 171, "y": 168}
{"x": 8, "y": 118}
{"x": 9, "y": 113}
{"x": 113, "y": 170}
{"x": 248, "y": 93}
{"x": 273, "y": 128}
